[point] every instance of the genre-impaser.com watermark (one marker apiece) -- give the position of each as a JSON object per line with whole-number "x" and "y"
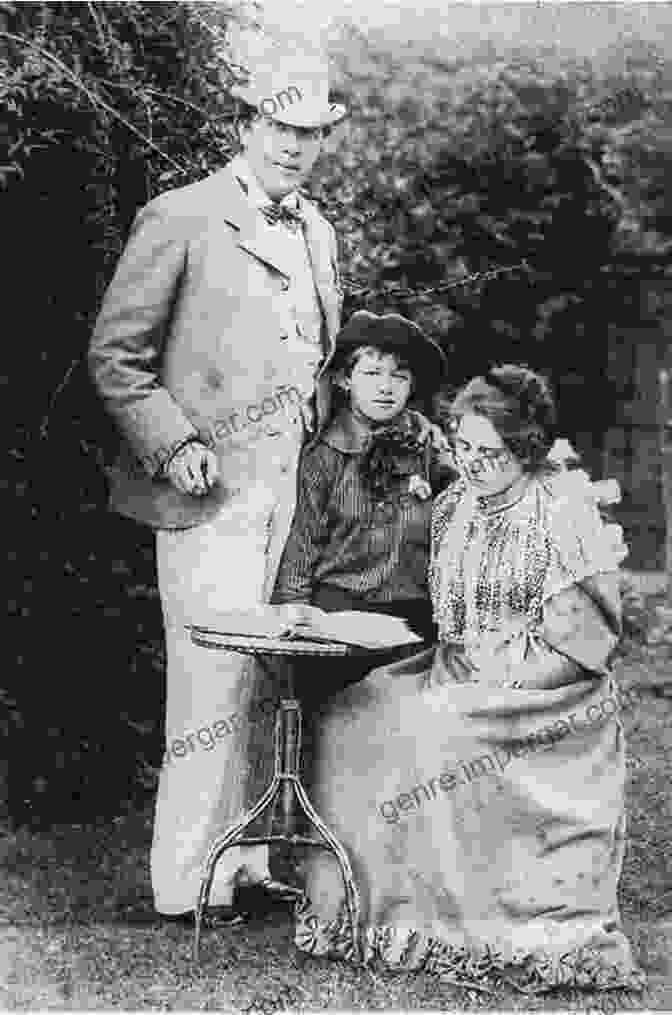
{"x": 544, "y": 739}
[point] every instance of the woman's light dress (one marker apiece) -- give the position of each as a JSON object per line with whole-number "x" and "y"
{"x": 479, "y": 786}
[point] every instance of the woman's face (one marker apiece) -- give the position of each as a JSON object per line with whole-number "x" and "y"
{"x": 483, "y": 457}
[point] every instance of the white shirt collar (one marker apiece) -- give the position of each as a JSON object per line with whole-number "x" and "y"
{"x": 256, "y": 194}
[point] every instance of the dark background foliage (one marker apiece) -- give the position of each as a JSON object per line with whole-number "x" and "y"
{"x": 85, "y": 684}
{"x": 447, "y": 167}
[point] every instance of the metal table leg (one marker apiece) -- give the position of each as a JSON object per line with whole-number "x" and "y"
{"x": 286, "y": 788}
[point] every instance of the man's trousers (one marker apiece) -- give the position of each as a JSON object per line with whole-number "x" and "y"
{"x": 205, "y": 778}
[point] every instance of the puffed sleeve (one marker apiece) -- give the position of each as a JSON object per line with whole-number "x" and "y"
{"x": 581, "y": 610}
{"x": 580, "y": 621}
{"x": 582, "y": 546}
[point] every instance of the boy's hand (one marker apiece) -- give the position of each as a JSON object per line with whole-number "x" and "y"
{"x": 193, "y": 469}
{"x": 430, "y": 432}
{"x": 298, "y": 614}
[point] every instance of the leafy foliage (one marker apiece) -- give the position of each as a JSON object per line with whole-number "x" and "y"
{"x": 477, "y": 166}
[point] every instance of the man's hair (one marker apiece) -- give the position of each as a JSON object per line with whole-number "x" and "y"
{"x": 240, "y": 114}
{"x": 244, "y": 114}
{"x": 519, "y": 404}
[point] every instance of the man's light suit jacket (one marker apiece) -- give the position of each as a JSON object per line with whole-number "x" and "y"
{"x": 194, "y": 337}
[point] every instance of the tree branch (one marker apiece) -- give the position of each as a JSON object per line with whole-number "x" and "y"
{"x": 613, "y": 193}
{"x": 95, "y": 100}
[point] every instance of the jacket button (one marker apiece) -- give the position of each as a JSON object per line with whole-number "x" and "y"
{"x": 284, "y": 285}
{"x": 283, "y": 336}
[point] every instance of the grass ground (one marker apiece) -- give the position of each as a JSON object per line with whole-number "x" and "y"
{"x": 77, "y": 931}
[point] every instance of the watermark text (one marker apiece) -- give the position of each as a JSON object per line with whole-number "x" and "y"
{"x": 544, "y": 739}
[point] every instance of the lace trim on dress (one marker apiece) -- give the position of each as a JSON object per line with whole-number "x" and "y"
{"x": 490, "y": 570}
{"x": 410, "y": 950}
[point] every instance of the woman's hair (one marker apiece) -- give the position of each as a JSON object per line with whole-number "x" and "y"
{"x": 520, "y": 406}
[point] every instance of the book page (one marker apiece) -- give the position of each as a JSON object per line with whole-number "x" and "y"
{"x": 352, "y": 627}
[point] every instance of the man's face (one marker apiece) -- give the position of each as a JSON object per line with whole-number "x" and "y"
{"x": 281, "y": 157}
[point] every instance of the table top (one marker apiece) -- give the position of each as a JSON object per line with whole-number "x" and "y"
{"x": 290, "y": 647}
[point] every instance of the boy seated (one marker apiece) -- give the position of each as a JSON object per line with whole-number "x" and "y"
{"x": 360, "y": 536}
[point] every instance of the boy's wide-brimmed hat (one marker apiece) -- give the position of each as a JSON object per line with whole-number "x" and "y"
{"x": 394, "y": 334}
{"x": 287, "y": 79}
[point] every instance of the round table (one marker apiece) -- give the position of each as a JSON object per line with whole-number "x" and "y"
{"x": 285, "y": 787}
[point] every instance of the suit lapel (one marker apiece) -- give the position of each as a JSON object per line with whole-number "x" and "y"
{"x": 265, "y": 242}
{"x": 325, "y": 274}
{"x": 255, "y": 235}
{"x": 317, "y": 241}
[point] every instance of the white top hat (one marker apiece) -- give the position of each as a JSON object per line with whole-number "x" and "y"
{"x": 287, "y": 80}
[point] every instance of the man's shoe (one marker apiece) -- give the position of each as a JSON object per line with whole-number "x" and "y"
{"x": 214, "y": 918}
{"x": 220, "y": 917}
{"x": 258, "y": 899}
{"x": 276, "y": 890}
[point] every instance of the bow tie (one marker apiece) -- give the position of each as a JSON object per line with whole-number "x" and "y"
{"x": 274, "y": 213}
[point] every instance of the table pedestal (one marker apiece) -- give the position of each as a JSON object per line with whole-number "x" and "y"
{"x": 285, "y": 791}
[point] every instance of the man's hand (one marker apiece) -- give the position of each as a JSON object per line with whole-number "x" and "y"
{"x": 193, "y": 469}
{"x": 430, "y": 432}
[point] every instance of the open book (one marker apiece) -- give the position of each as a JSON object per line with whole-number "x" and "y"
{"x": 351, "y": 627}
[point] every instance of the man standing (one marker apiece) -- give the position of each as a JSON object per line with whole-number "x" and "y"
{"x": 208, "y": 351}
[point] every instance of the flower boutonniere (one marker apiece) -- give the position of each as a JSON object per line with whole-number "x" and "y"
{"x": 419, "y": 487}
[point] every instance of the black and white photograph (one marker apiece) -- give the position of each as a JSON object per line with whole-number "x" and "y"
{"x": 338, "y": 396}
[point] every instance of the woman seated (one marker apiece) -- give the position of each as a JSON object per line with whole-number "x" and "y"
{"x": 478, "y": 786}
{"x": 361, "y": 531}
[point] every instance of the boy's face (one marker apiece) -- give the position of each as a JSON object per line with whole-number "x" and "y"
{"x": 378, "y": 387}
{"x": 281, "y": 157}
